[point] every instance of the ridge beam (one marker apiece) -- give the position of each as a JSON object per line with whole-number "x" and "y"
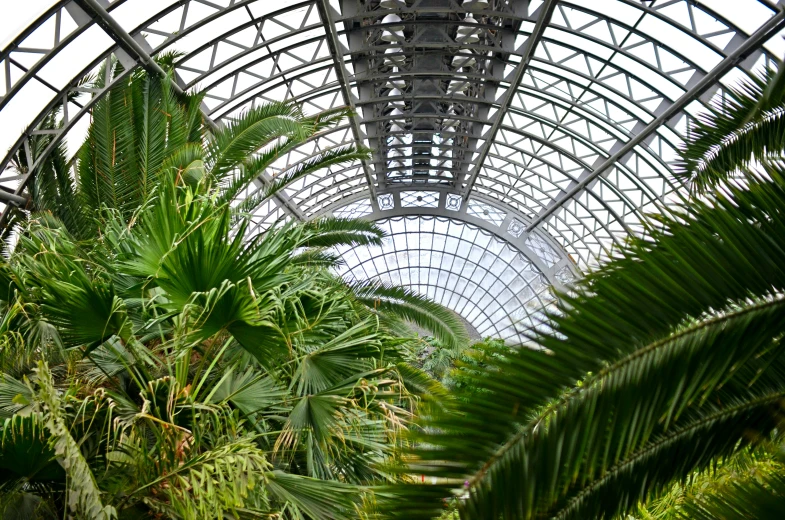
{"x": 544, "y": 18}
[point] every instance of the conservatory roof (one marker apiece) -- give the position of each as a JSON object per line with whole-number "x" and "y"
{"x": 514, "y": 141}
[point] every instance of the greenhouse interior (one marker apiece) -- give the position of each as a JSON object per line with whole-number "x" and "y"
{"x": 392, "y": 259}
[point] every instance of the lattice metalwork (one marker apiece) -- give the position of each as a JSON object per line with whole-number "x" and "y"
{"x": 534, "y": 120}
{"x": 475, "y": 273}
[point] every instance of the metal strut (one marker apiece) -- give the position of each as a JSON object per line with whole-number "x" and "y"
{"x": 531, "y": 44}
{"x": 771, "y": 27}
{"x": 340, "y": 71}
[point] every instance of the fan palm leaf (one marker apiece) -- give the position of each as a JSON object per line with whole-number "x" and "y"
{"x": 26, "y": 453}
{"x": 312, "y": 497}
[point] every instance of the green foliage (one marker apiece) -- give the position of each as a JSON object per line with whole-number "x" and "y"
{"x": 159, "y": 360}
{"x": 748, "y": 466}
{"x": 413, "y": 307}
{"x": 16, "y": 397}
{"x": 747, "y": 125}
{"x": 26, "y": 453}
{"x": 133, "y": 130}
{"x": 761, "y": 498}
{"x": 211, "y": 483}
{"x": 657, "y": 365}
{"x": 82, "y": 493}
{"x": 456, "y": 369}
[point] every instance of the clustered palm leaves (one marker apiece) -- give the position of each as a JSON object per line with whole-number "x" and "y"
{"x": 659, "y": 365}
{"x": 157, "y": 359}
{"x": 707, "y": 494}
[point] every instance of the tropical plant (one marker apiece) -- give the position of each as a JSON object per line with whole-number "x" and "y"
{"x": 159, "y": 359}
{"x": 455, "y": 368}
{"x": 750, "y": 469}
{"x": 760, "y": 496}
{"x": 658, "y": 364}
{"x": 746, "y": 127}
{"x": 143, "y": 130}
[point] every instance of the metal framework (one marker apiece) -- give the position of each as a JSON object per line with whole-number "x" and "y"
{"x": 548, "y": 125}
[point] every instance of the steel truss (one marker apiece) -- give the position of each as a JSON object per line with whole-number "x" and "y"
{"x": 560, "y": 115}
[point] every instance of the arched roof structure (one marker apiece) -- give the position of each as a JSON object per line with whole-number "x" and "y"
{"x": 514, "y": 141}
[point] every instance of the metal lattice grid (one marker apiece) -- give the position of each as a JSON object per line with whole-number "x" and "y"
{"x": 563, "y": 116}
{"x": 473, "y": 272}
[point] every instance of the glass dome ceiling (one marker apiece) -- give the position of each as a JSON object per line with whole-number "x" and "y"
{"x": 514, "y": 141}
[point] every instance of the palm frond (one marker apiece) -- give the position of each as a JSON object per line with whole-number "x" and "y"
{"x": 254, "y": 167}
{"x": 326, "y": 159}
{"x": 210, "y": 484}
{"x": 233, "y": 144}
{"x": 248, "y": 391}
{"x": 184, "y": 116}
{"x": 752, "y": 463}
{"x": 328, "y": 118}
{"x": 317, "y": 257}
{"x": 327, "y": 364}
{"x": 334, "y": 231}
{"x": 418, "y": 309}
{"x": 746, "y": 125}
{"x": 151, "y": 128}
{"x": 75, "y": 297}
{"x": 185, "y": 165}
{"x": 761, "y": 497}
{"x": 54, "y": 191}
{"x": 681, "y": 369}
{"x": 84, "y": 496}
{"x": 15, "y": 397}
{"x": 698, "y": 261}
{"x": 315, "y": 498}
{"x": 420, "y": 383}
{"x": 107, "y": 167}
{"x": 25, "y": 452}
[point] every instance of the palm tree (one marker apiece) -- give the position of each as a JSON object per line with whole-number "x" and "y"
{"x": 159, "y": 359}
{"x": 143, "y": 133}
{"x": 707, "y": 494}
{"x": 143, "y": 130}
{"x": 658, "y": 364}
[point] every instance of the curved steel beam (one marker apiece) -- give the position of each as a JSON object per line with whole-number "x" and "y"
{"x": 775, "y": 24}
{"x": 325, "y": 13}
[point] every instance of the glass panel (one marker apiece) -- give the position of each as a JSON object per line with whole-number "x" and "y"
{"x": 478, "y": 275}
